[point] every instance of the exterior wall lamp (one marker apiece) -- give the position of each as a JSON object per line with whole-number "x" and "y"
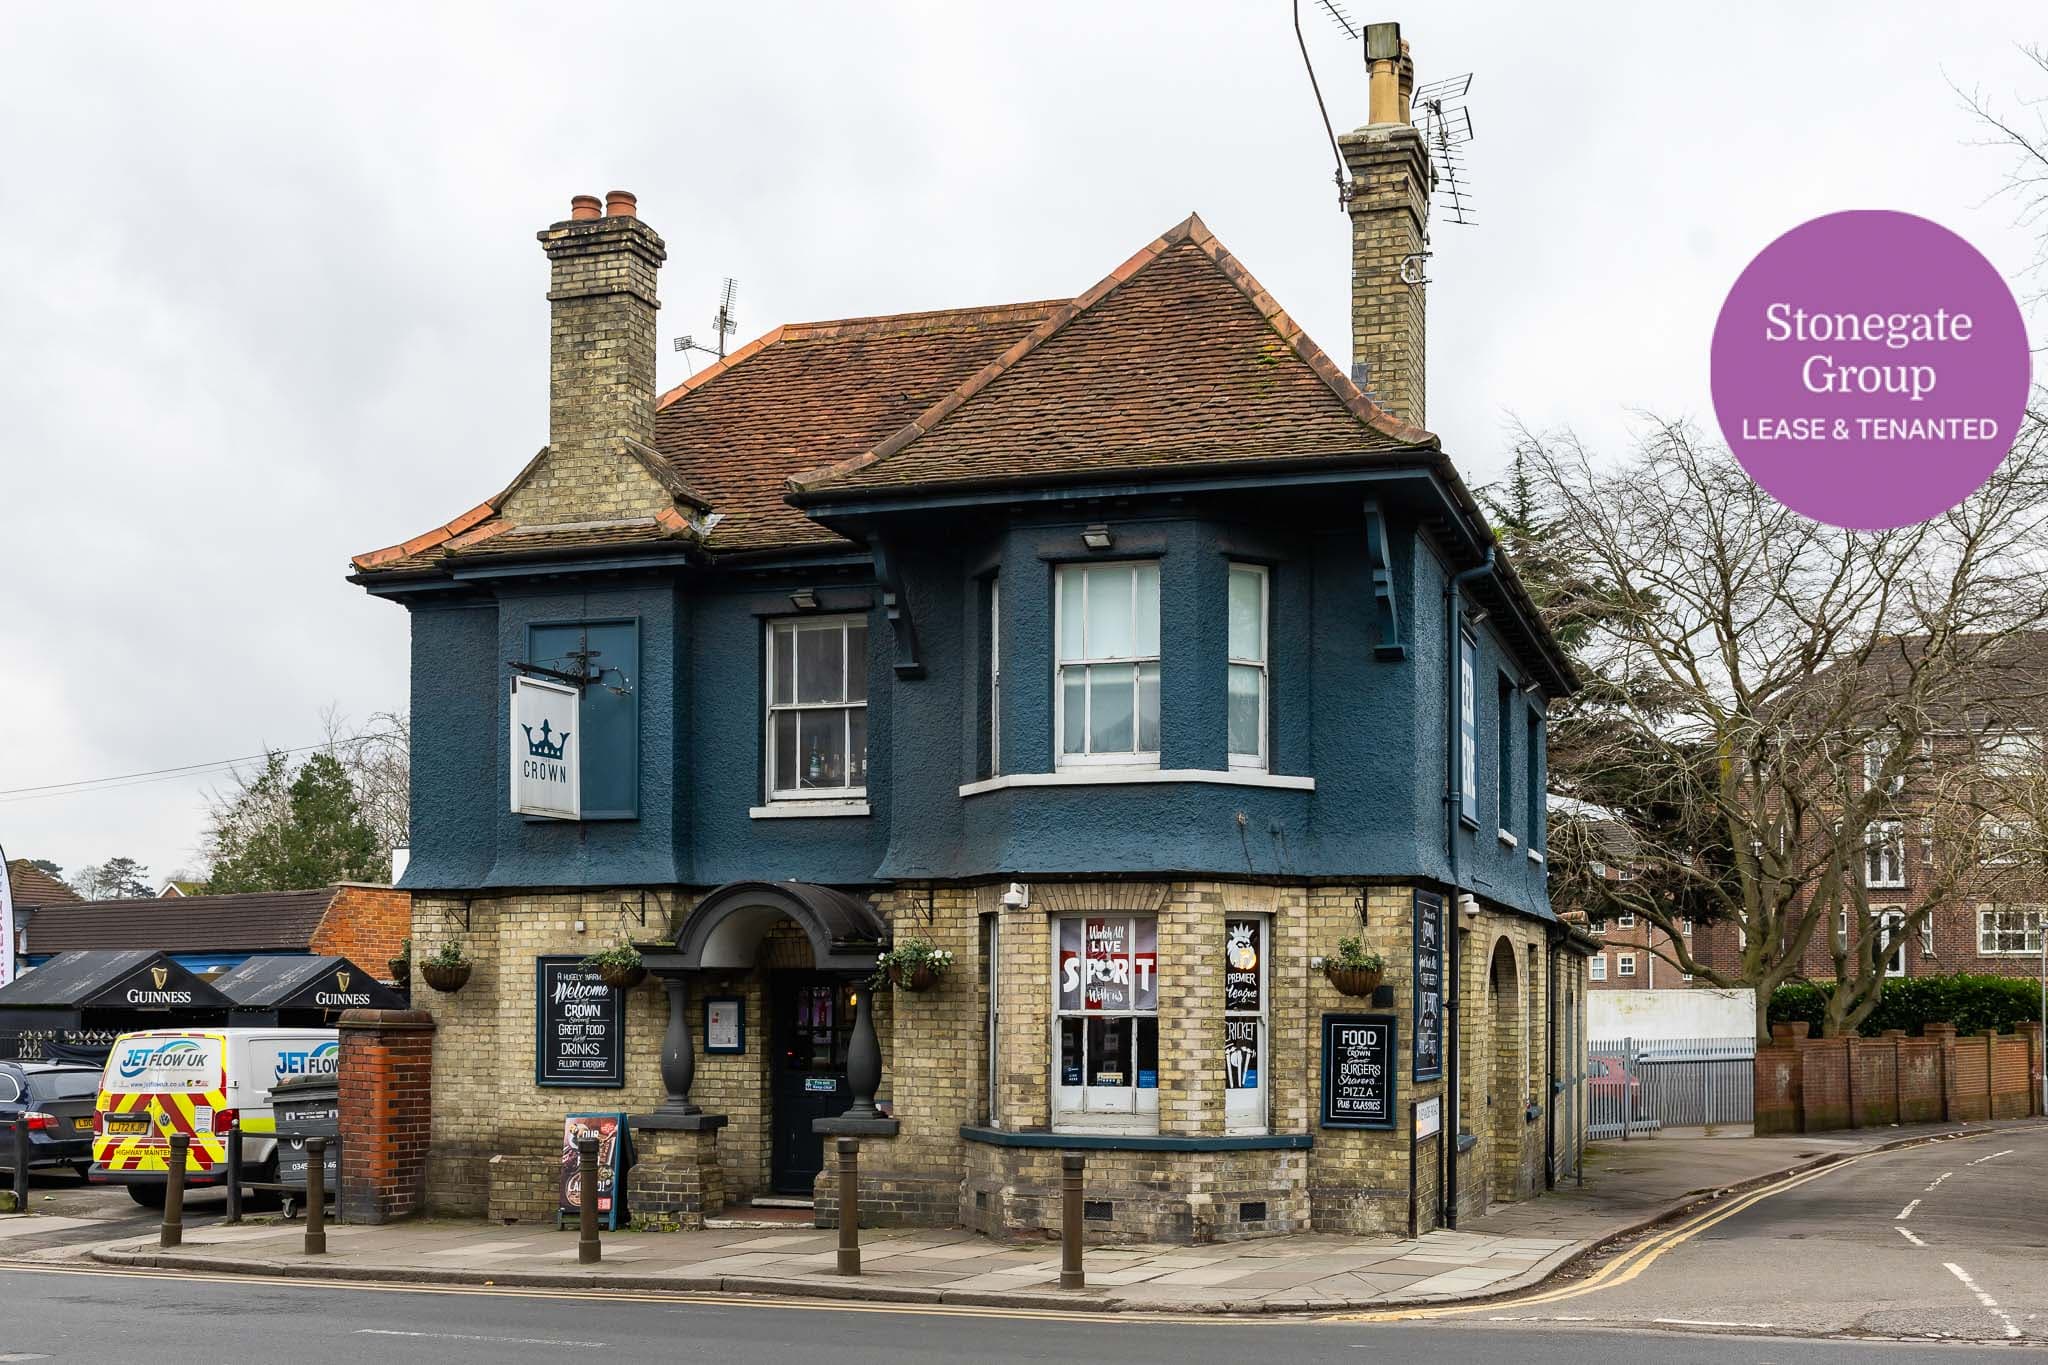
{"x": 804, "y": 599}
{"x": 1097, "y": 537}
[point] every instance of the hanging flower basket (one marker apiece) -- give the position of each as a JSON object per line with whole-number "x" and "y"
{"x": 918, "y": 978}
{"x": 620, "y": 977}
{"x": 1354, "y": 980}
{"x": 445, "y": 976}
{"x": 915, "y": 963}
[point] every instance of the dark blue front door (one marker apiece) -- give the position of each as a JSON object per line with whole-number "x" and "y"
{"x": 813, "y": 1022}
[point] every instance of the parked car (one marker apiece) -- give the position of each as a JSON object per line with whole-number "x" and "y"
{"x": 1609, "y": 1078}
{"x": 200, "y": 1082}
{"x": 57, "y": 1099}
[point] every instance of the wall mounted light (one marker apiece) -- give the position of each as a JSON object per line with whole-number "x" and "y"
{"x": 1018, "y": 897}
{"x": 804, "y": 599}
{"x": 1097, "y": 537}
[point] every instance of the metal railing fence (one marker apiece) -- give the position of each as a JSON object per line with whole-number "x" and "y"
{"x": 1637, "y": 1086}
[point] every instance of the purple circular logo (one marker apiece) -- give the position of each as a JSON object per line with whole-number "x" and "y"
{"x": 1870, "y": 369}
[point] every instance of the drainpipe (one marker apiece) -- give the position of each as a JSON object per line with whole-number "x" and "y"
{"x": 1550, "y": 1064}
{"x": 1454, "y": 790}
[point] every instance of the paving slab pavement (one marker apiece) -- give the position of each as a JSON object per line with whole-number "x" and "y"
{"x": 1626, "y": 1188}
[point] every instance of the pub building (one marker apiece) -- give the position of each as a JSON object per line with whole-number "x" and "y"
{"x": 1125, "y": 647}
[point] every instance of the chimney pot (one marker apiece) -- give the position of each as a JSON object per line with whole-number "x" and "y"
{"x": 620, "y": 204}
{"x": 585, "y": 206}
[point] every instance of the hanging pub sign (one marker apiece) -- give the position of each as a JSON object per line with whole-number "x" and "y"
{"x": 580, "y": 1028}
{"x": 546, "y": 761}
{"x": 1429, "y": 986}
{"x": 614, "y": 1159}
{"x": 1358, "y": 1071}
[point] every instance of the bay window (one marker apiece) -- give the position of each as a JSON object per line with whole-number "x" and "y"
{"x": 1107, "y": 675}
{"x": 1248, "y": 649}
{"x": 818, "y": 708}
{"x": 1106, "y": 1024}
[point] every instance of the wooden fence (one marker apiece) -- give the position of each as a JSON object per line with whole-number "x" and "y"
{"x": 1810, "y": 1085}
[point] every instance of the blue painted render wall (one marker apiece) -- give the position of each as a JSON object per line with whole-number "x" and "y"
{"x": 1369, "y": 730}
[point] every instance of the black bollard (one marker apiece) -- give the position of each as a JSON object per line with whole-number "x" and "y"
{"x": 1071, "y": 1274}
{"x": 849, "y": 1206}
{"x": 316, "y": 1196}
{"x": 235, "y": 1173}
{"x": 173, "y": 1231}
{"x": 20, "y": 1165}
{"x": 589, "y": 1251}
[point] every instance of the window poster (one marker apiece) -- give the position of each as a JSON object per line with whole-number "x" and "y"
{"x": 1242, "y": 950}
{"x": 1109, "y": 964}
{"x": 1241, "y": 1054}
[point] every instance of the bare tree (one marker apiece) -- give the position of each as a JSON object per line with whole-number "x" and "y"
{"x": 1767, "y": 699}
{"x": 377, "y": 756}
{"x": 2021, "y": 132}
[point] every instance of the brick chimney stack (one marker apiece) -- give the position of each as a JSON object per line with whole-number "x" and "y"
{"x": 601, "y": 340}
{"x": 1390, "y": 184}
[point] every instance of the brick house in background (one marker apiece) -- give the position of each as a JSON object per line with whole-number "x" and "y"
{"x": 31, "y": 889}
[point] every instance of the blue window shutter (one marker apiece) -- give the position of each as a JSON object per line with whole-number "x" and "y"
{"x": 611, "y": 722}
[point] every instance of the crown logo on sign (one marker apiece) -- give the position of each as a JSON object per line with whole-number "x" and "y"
{"x": 543, "y": 747}
{"x": 159, "y": 975}
{"x": 341, "y": 981}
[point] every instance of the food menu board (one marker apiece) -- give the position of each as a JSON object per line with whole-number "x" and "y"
{"x": 581, "y": 1030}
{"x": 1358, "y": 1071}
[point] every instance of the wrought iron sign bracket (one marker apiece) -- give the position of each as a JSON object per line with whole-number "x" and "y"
{"x": 448, "y": 913}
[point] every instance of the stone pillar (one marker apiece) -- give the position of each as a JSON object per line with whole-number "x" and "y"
{"x": 2031, "y": 1031}
{"x": 1389, "y": 206}
{"x": 386, "y": 1074}
{"x": 678, "y": 1055}
{"x": 677, "y": 1182}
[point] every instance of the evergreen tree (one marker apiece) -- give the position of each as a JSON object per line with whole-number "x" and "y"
{"x": 288, "y": 831}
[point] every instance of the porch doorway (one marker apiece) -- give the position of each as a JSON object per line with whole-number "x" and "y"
{"x": 811, "y": 1015}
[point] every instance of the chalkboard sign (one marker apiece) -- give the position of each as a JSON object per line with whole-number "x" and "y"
{"x": 1358, "y": 1070}
{"x": 1429, "y": 986}
{"x": 580, "y": 1028}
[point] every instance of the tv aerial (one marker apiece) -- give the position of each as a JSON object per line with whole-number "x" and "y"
{"x": 723, "y": 323}
{"x": 1439, "y": 109}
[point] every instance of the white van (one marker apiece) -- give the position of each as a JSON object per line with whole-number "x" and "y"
{"x": 200, "y": 1082}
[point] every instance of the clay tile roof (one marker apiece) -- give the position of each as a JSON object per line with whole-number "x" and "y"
{"x": 1179, "y": 358}
{"x": 815, "y": 393}
{"x": 253, "y": 921}
{"x": 31, "y": 886}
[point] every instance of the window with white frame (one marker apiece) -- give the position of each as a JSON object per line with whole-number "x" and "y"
{"x": 2002, "y": 841}
{"x": 1596, "y": 967}
{"x": 1891, "y": 946}
{"x": 1878, "y": 751}
{"x": 1105, "y": 1074}
{"x": 1625, "y": 920}
{"x": 2009, "y": 930}
{"x": 2012, "y": 753}
{"x": 1927, "y": 937}
{"x": 1245, "y": 1035}
{"x": 1107, "y": 677}
{"x": 1625, "y": 964}
{"x": 1249, "y": 600}
{"x": 818, "y": 708}
{"x": 1884, "y": 854}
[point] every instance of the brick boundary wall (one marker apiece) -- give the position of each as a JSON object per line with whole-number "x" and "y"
{"x": 1812, "y": 1085}
{"x": 386, "y": 1092}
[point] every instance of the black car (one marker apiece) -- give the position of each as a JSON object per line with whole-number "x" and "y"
{"x": 58, "y": 1100}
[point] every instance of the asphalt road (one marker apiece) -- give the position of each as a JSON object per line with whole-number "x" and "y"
{"x": 70, "y": 1316}
{"x": 1943, "y": 1241}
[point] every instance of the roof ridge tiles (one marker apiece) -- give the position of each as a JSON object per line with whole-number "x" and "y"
{"x": 1191, "y": 231}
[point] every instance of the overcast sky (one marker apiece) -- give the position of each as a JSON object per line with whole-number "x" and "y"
{"x": 270, "y": 295}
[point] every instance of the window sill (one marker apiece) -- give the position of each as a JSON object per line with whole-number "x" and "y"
{"x": 1134, "y": 1142}
{"x": 1535, "y": 855}
{"x": 1507, "y": 840}
{"x": 1119, "y": 777}
{"x": 806, "y": 810}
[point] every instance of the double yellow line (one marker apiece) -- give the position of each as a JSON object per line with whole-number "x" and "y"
{"x": 1622, "y": 1268}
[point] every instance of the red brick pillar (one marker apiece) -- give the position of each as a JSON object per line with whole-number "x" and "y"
{"x": 2031, "y": 1031}
{"x": 387, "y": 1082}
{"x": 1945, "y": 1036}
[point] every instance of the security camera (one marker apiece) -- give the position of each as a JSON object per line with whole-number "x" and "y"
{"x": 1016, "y": 898}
